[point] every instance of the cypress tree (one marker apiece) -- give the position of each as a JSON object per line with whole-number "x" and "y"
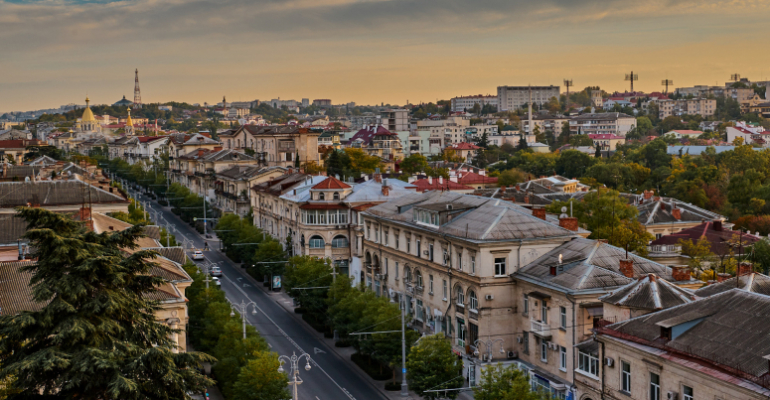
{"x": 95, "y": 335}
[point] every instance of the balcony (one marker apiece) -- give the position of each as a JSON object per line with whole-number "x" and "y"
{"x": 540, "y": 329}
{"x": 286, "y": 146}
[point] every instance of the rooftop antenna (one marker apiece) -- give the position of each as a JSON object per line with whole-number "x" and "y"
{"x": 568, "y": 84}
{"x": 633, "y": 78}
{"x": 735, "y": 77}
{"x": 667, "y": 83}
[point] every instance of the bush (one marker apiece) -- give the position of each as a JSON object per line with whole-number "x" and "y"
{"x": 299, "y": 310}
{"x": 328, "y": 334}
{"x": 164, "y": 203}
{"x": 375, "y": 369}
{"x": 313, "y": 321}
{"x": 392, "y": 386}
{"x": 266, "y": 284}
{"x": 342, "y": 343}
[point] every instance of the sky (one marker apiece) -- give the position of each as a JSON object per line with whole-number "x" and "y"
{"x": 55, "y": 52}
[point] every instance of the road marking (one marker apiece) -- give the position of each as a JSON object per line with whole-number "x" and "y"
{"x": 246, "y": 285}
{"x": 292, "y": 341}
{"x": 316, "y": 350}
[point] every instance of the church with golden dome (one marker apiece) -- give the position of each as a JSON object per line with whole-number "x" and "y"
{"x": 87, "y": 122}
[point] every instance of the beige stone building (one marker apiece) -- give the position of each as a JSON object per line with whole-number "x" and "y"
{"x": 275, "y": 146}
{"x": 197, "y": 169}
{"x": 181, "y": 143}
{"x": 699, "y": 106}
{"x": 231, "y": 187}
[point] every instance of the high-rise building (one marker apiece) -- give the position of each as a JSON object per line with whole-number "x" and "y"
{"x": 463, "y": 103}
{"x": 514, "y": 97}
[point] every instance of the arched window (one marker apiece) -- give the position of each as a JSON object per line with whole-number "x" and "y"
{"x": 407, "y": 274}
{"x": 418, "y": 278}
{"x": 340, "y": 241}
{"x": 317, "y": 242}
{"x": 460, "y": 296}
{"x": 321, "y": 196}
{"x": 473, "y": 301}
{"x": 336, "y": 196}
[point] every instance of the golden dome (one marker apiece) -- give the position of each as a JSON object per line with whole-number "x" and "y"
{"x": 88, "y": 115}
{"x": 129, "y": 121}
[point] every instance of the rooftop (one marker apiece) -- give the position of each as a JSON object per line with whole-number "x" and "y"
{"x": 753, "y": 282}
{"x": 649, "y": 293}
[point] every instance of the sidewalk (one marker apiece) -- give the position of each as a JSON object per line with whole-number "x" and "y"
{"x": 344, "y": 353}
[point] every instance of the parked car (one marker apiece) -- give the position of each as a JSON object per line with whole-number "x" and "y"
{"x": 198, "y": 255}
{"x": 217, "y": 281}
{"x": 216, "y": 271}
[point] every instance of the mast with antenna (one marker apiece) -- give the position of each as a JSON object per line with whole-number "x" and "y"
{"x": 633, "y": 78}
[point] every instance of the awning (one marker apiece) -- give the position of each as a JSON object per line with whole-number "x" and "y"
{"x": 595, "y": 311}
{"x": 589, "y": 346}
{"x": 323, "y": 207}
{"x": 539, "y": 295}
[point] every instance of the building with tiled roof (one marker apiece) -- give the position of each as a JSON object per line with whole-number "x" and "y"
{"x": 440, "y": 184}
{"x": 59, "y": 196}
{"x": 746, "y": 280}
{"x": 377, "y": 141}
{"x": 721, "y": 240}
{"x": 712, "y": 348}
{"x": 645, "y": 295}
{"x": 464, "y": 150}
{"x": 276, "y": 145}
{"x": 476, "y": 181}
{"x": 231, "y": 187}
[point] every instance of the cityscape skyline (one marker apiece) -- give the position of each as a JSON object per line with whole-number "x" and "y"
{"x": 366, "y": 52}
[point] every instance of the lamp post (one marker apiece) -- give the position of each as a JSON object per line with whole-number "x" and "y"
{"x": 242, "y": 308}
{"x": 488, "y": 343}
{"x": 294, "y": 360}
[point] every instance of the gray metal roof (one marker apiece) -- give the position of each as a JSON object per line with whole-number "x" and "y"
{"x": 753, "y": 282}
{"x": 659, "y": 210}
{"x": 649, "y": 293}
{"x": 53, "y": 193}
{"x": 371, "y": 191}
{"x": 729, "y": 328}
{"x": 485, "y": 220}
{"x": 589, "y": 265}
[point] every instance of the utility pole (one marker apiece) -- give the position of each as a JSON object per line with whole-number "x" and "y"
{"x": 404, "y": 386}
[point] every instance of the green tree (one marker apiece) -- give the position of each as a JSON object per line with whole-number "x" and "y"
{"x": 432, "y": 365}
{"x": 511, "y": 177}
{"x": 413, "y": 164}
{"x": 698, "y": 251}
{"x": 307, "y": 271}
{"x": 761, "y": 255}
{"x": 108, "y": 343}
{"x": 360, "y": 162}
{"x": 504, "y": 383}
{"x": 259, "y": 379}
{"x": 581, "y": 141}
{"x": 573, "y": 163}
{"x": 565, "y": 134}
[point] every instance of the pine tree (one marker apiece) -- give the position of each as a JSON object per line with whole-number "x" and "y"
{"x": 95, "y": 335}
{"x": 598, "y": 153}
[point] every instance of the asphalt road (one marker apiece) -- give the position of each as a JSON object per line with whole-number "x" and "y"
{"x": 329, "y": 377}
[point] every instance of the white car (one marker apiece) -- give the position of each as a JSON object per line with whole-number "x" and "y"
{"x": 198, "y": 255}
{"x": 217, "y": 281}
{"x": 216, "y": 271}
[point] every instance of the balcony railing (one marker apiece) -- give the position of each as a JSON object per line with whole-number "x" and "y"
{"x": 540, "y": 328}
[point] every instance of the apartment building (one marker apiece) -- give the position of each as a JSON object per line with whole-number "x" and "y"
{"x": 378, "y": 141}
{"x": 198, "y": 169}
{"x": 275, "y": 146}
{"x": 183, "y": 143}
{"x": 450, "y": 257}
{"x": 466, "y": 103}
{"x": 231, "y": 187}
{"x": 602, "y": 123}
{"x": 510, "y": 98}
{"x": 700, "y": 106}
{"x": 607, "y": 141}
{"x": 545, "y": 123}
{"x": 395, "y": 120}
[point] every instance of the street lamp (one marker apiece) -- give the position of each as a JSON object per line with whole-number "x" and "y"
{"x": 488, "y": 343}
{"x": 294, "y": 360}
{"x": 242, "y": 308}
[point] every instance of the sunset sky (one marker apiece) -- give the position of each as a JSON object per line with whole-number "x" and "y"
{"x": 55, "y": 52}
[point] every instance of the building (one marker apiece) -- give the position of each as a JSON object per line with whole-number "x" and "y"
{"x": 762, "y": 108}
{"x": 275, "y": 146}
{"x": 663, "y": 216}
{"x": 614, "y": 123}
{"x": 749, "y": 134}
{"x": 722, "y": 242}
{"x": 87, "y": 122}
{"x": 684, "y": 133}
{"x": 466, "y": 103}
{"x": 378, "y": 141}
{"x": 511, "y": 98}
{"x": 231, "y": 187}
{"x": 198, "y": 169}
{"x": 464, "y": 150}
{"x": 607, "y": 141}
{"x": 544, "y": 122}
{"x": 712, "y": 348}
{"x": 474, "y": 180}
{"x": 440, "y": 185}
{"x": 322, "y": 103}
{"x": 395, "y": 120}
{"x": 180, "y": 144}
{"x": 699, "y": 106}
{"x": 16, "y": 149}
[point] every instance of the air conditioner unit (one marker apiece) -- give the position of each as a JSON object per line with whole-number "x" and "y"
{"x": 609, "y": 361}
{"x": 489, "y": 297}
{"x": 519, "y": 339}
{"x": 672, "y": 395}
{"x": 513, "y": 354}
{"x": 426, "y": 252}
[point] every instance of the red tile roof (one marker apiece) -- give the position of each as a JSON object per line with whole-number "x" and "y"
{"x": 145, "y": 139}
{"x": 331, "y": 183}
{"x": 464, "y": 146}
{"x": 20, "y": 143}
{"x": 470, "y": 178}
{"x": 717, "y": 238}
{"x": 446, "y": 185}
{"x": 604, "y": 136}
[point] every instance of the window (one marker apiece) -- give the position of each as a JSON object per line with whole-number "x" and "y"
{"x": 418, "y": 275}
{"x": 473, "y": 265}
{"x": 625, "y": 377}
{"x": 336, "y": 196}
{"x": 385, "y": 239}
{"x": 430, "y": 284}
{"x": 588, "y": 363}
{"x": 396, "y": 237}
{"x": 544, "y": 312}
{"x": 408, "y": 246}
{"x": 445, "y": 256}
{"x": 430, "y": 252}
{"x": 526, "y": 304}
{"x": 654, "y": 386}
{"x": 418, "y": 248}
{"x": 563, "y": 317}
{"x": 386, "y": 265}
{"x": 562, "y": 358}
{"x": 474, "y": 301}
{"x": 418, "y": 310}
{"x": 396, "y": 269}
{"x": 340, "y": 242}
{"x": 687, "y": 393}
{"x": 368, "y": 231}
{"x": 499, "y": 266}
{"x": 525, "y": 343}
{"x": 460, "y": 332}
{"x": 317, "y": 242}
{"x": 460, "y": 297}
{"x": 445, "y": 293}
{"x": 321, "y": 196}
{"x": 543, "y": 351}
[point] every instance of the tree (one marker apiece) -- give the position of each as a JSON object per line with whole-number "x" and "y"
{"x": 259, "y": 379}
{"x": 312, "y": 168}
{"x": 432, "y": 365}
{"x": 573, "y": 163}
{"x": 302, "y": 270}
{"x": 522, "y": 143}
{"x": 565, "y": 133}
{"x": 581, "y": 141}
{"x": 360, "y": 162}
{"x": 761, "y": 256}
{"x": 504, "y": 383}
{"x": 483, "y": 142}
{"x": 413, "y": 164}
{"x": 643, "y": 126}
{"x": 108, "y": 343}
{"x": 699, "y": 252}
{"x": 511, "y": 177}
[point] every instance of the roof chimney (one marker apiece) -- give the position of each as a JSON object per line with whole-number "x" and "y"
{"x": 430, "y": 180}
{"x": 539, "y": 212}
{"x": 745, "y": 268}
{"x": 717, "y": 224}
{"x": 723, "y": 277}
{"x": 627, "y": 267}
{"x": 676, "y": 213}
{"x": 680, "y": 273}
{"x": 570, "y": 223}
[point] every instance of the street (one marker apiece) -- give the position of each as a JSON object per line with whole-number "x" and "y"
{"x": 329, "y": 376}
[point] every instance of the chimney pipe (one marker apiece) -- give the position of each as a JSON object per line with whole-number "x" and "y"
{"x": 539, "y": 212}
{"x": 627, "y": 267}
